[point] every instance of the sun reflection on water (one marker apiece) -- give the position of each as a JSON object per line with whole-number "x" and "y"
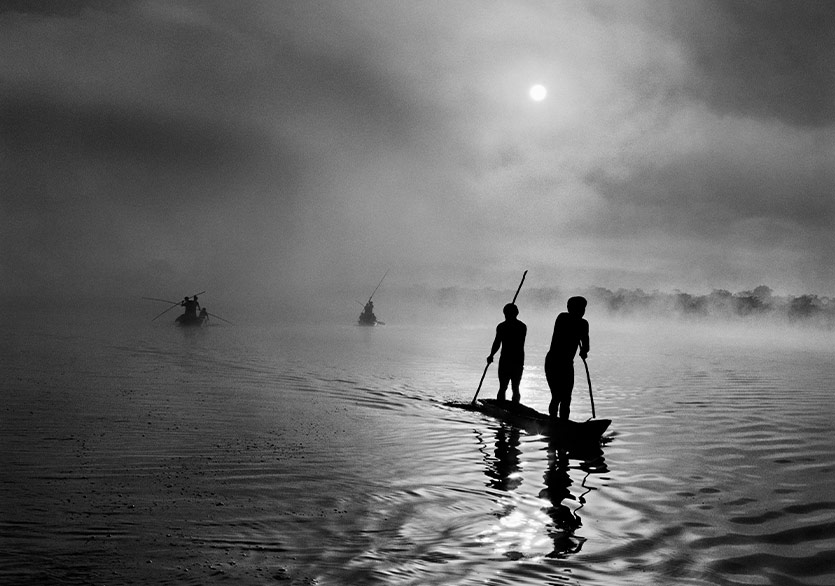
{"x": 519, "y": 534}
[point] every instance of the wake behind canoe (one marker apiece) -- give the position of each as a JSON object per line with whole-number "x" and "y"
{"x": 534, "y": 421}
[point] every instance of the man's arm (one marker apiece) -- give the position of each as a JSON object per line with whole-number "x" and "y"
{"x": 496, "y": 344}
{"x": 584, "y": 340}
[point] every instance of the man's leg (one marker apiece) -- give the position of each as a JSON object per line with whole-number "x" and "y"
{"x": 504, "y": 379}
{"x": 553, "y": 407}
{"x": 514, "y": 381}
{"x": 567, "y": 386}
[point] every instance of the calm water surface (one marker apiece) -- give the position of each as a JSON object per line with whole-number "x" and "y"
{"x": 325, "y": 455}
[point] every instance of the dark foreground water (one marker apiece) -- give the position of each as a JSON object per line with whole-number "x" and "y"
{"x": 325, "y": 455}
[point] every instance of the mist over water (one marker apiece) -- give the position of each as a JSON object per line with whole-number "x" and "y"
{"x": 325, "y": 454}
{"x": 282, "y": 156}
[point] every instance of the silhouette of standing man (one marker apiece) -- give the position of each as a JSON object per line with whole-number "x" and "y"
{"x": 510, "y": 336}
{"x": 191, "y": 307}
{"x": 570, "y": 331}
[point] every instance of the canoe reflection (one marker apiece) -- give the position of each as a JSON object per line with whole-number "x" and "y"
{"x": 522, "y": 529}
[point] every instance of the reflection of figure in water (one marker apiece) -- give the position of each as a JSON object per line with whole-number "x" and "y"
{"x": 510, "y": 336}
{"x": 191, "y": 306}
{"x": 503, "y": 471}
{"x": 504, "y": 474}
{"x": 570, "y": 331}
{"x": 565, "y": 521}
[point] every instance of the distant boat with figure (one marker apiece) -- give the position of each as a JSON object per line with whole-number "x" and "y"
{"x": 367, "y": 317}
{"x": 190, "y": 317}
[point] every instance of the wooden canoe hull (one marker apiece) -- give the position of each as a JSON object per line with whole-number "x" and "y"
{"x": 189, "y": 321}
{"x": 534, "y": 421}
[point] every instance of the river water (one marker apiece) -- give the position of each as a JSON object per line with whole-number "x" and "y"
{"x": 325, "y": 454}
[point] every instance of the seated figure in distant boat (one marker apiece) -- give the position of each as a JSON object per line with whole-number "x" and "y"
{"x": 367, "y": 316}
{"x": 510, "y": 337}
{"x": 571, "y": 331}
{"x": 204, "y": 315}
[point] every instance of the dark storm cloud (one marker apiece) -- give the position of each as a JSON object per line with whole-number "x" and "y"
{"x": 54, "y": 7}
{"x": 763, "y": 58}
{"x": 30, "y": 123}
{"x": 156, "y": 144}
{"x": 708, "y": 193}
{"x": 85, "y": 183}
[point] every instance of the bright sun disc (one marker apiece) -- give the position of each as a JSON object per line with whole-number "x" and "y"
{"x": 538, "y": 93}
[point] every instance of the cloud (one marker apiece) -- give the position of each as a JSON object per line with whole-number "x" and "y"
{"x": 53, "y": 7}
{"x": 708, "y": 172}
{"x": 187, "y": 142}
{"x": 766, "y": 59}
{"x": 287, "y": 147}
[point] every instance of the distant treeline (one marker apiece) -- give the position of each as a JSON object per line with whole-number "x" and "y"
{"x": 760, "y": 302}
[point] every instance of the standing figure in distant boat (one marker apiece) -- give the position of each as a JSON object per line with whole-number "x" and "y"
{"x": 191, "y": 307}
{"x": 510, "y": 336}
{"x": 570, "y": 332}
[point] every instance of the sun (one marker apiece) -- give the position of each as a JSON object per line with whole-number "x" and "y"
{"x": 537, "y": 92}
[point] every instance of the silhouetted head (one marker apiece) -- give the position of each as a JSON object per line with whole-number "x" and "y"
{"x": 510, "y": 310}
{"x": 577, "y": 306}
{"x": 185, "y": 298}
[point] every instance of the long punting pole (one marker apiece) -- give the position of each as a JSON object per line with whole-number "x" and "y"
{"x": 163, "y": 300}
{"x": 378, "y": 285}
{"x": 588, "y": 378}
{"x": 220, "y": 318}
{"x": 519, "y": 288}
{"x": 167, "y": 310}
{"x": 483, "y": 374}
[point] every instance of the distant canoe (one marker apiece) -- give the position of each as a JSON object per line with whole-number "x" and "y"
{"x": 369, "y": 321}
{"x": 534, "y": 421}
{"x": 189, "y": 320}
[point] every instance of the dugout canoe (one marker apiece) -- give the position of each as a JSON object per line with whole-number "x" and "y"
{"x": 535, "y": 421}
{"x": 189, "y": 320}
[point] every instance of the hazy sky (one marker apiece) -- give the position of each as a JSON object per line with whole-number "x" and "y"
{"x": 273, "y": 148}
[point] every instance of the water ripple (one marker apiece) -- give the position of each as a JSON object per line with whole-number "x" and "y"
{"x": 301, "y": 457}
